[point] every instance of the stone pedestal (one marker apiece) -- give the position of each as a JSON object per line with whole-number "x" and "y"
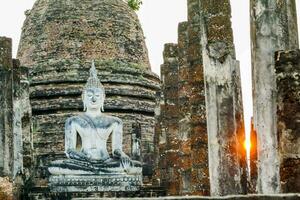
{"x": 95, "y": 183}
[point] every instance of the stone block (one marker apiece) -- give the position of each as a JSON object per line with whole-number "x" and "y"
{"x": 219, "y": 29}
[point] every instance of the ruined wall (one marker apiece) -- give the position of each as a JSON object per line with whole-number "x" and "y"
{"x": 14, "y": 101}
{"x": 287, "y": 65}
{"x": 208, "y": 27}
{"x": 273, "y": 28}
{"x": 182, "y": 152}
{"x": 189, "y": 156}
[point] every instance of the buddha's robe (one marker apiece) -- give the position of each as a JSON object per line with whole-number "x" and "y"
{"x": 93, "y": 158}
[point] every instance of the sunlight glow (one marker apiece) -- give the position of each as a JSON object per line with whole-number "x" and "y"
{"x": 247, "y": 145}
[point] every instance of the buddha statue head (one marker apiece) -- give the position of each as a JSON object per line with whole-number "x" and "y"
{"x": 93, "y": 94}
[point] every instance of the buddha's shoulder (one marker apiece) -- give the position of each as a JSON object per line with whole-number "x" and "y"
{"x": 83, "y": 120}
{"x": 113, "y": 119}
{"x": 75, "y": 119}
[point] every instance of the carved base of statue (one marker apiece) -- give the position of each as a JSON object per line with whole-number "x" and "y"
{"x": 95, "y": 183}
{"x": 75, "y": 167}
{"x": 92, "y": 168}
{"x": 80, "y": 176}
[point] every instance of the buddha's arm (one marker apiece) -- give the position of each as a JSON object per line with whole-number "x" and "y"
{"x": 70, "y": 142}
{"x": 70, "y": 136}
{"x": 117, "y": 137}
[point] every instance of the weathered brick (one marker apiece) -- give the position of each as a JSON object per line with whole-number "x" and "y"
{"x": 287, "y": 68}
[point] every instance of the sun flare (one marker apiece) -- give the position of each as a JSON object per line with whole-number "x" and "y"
{"x": 247, "y": 145}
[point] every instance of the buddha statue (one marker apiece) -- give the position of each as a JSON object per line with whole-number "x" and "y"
{"x": 94, "y": 129}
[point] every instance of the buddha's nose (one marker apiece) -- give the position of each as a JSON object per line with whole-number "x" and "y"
{"x": 93, "y": 99}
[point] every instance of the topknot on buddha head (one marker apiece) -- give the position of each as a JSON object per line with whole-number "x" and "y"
{"x": 93, "y": 90}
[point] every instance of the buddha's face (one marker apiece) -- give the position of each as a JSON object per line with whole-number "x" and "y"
{"x": 93, "y": 99}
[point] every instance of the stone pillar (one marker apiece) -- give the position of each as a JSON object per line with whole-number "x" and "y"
{"x": 288, "y": 118}
{"x": 184, "y": 114}
{"x": 198, "y": 134}
{"x": 170, "y": 117}
{"x": 17, "y": 120}
{"x": 21, "y": 126}
{"x": 225, "y": 124}
{"x": 26, "y": 114}
{"x": 6, "y": 103}
{"x": 159, "y": 141}
{"x": 21, "y": 119}
{"x": 14, "y": 117}
{"x": 273, "y": 27}
{"x": 14, "y": 101}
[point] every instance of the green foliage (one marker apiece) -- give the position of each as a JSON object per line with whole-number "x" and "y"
{"x": 135, "y": 4}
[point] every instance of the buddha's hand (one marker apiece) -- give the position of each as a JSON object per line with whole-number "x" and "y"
{"x": 72, "y": 154}
{"x": 125, "y": 160}
{"x": 127, "y": 164}
{"x": 119, "y": 154}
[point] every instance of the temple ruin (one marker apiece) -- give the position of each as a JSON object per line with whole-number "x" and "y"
{"x": 186, "y": 127}
{"x": 273, "y": 27}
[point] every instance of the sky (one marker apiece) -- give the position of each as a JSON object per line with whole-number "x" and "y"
{"x": 159, "y": 19}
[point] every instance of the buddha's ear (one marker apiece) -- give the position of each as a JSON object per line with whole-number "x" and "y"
{"x": 82, "y": 95}
{"x": 83, "y": 100}
{"x": 102, "y": 103}
{"x": 84, "y": 106}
